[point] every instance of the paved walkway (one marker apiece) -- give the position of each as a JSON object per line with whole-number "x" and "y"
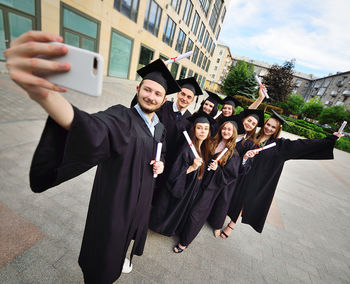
{"x": 306, "y": 238}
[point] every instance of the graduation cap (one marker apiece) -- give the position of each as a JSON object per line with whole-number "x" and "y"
{"x": 278, "y": 117}
{"x": 201, "y": 117}
{"x": 229, "y": 100}
{"x": 256, "y": 113}
{"x": 237, "y": 122}
{"x": 191, "y": 84}
{"x": 158, "y": 72}
{"x": 214, "y": 98}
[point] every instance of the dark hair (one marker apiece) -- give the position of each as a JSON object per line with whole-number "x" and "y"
{"x": 203, "y": 151}
{"x": 213, "y": 112}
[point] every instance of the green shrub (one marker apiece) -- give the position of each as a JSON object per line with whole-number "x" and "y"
{"x": 343, "y": 144}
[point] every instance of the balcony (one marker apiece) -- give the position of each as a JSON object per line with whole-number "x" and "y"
{"x": 346, "y": 93}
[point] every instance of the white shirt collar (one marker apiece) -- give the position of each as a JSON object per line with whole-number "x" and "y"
{"x": 175, "y": 109}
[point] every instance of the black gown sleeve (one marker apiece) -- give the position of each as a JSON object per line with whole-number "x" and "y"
{"x": 62, "y": 155}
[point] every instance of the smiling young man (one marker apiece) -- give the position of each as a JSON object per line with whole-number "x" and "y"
{"x": 121, "y": 141}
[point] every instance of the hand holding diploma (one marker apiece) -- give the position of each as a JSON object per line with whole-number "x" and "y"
{"x": 214, "y": 165}
{"x": 189, "y": 141}
{"x": 197, "y": 162}
{"x": 158, "y": 165}
{"x": 262, "y": 86}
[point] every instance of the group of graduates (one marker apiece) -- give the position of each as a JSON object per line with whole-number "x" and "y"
{"x": 122, "y": 142}
{"x": 193, "y": 191}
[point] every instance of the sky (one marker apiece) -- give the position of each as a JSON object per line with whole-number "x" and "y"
{"x": 314, "y": 33}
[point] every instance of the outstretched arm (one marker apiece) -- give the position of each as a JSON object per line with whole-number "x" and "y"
{"x": 24, "y": 63}
{"x": 259, "y": 100}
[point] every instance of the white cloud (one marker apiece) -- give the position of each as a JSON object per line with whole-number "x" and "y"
{"x": 315, "y": 33}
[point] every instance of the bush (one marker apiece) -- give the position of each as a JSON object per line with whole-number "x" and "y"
{"x": 294, "y": 105}
{"x": 302, "y": 131}
{"x": 266, "y": 107}
{"x": 334, "y": 115}
{"x": 313, "y": 109}
{"x": 343, "y": 144}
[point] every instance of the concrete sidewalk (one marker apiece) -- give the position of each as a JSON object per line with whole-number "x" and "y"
{"x": 306, "y": 238}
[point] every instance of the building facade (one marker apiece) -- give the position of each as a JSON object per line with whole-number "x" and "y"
{"x": 127, "y": 33}
{"x": 219, "y": 68}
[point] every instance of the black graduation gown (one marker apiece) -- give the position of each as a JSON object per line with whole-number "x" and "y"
{"x": 256, "y": 189}
{"x": 212, "y": 185}
{"x": 175, "y": 200}
{"x": 120, "y": 143}
{"x": 219, "y": 211}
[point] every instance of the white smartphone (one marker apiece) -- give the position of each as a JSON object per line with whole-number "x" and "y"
{"x": 85, "y": 74}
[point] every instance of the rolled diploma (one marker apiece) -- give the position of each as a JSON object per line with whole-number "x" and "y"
{"x": 266, "y": 147}
{"x": 217, "y": 115}
{"x": 220, "y": 156}
{"x": 191, "y": 144}
{"x": 342, "y": 126}
{"x": 259, "y": 82}
{"x": 159, "y": 151}
{"x": 181, "y": 56}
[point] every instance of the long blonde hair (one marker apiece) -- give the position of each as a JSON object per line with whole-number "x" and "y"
{"x": 230, "y": 144}
{"x": 260, "y": 134}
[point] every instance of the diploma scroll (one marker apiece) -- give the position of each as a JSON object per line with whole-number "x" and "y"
{"x": 217, "y": 115}
{"x": 220, "y": 156}
{"x": 189, "y": 141}
{"x": 263, "y": 89}
{"x": 159, "y": 151}
{"x": 266, "y": 147}
{"x": 341, "y": 129}
{"x": 177, "y": 58}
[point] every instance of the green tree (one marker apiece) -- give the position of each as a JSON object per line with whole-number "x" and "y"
{"x": 294, "y": 105}
{"x": 240, "y": 80}
{"x": 278, "y": 81}
{"x": 313, "y": 108}
{"x": 334, "y": 115}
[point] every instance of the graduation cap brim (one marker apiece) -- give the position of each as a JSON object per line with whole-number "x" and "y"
{"x": 255, "y": 113}
{"x": 201, "y": 117}
{"x": 278, "y": 117}
{"x": 229, "y": 100}
{"x": 214, "y": 97}
{"x": 237, "y": 120}
{"x": 158, "y": 72}
{"x": 191, "y": 84}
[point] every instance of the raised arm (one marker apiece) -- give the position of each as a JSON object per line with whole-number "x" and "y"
{"x": 259, "y": 100}
{"x": 24, "y": 65}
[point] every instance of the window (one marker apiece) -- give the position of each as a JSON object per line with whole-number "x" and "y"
{"x": 183, "y": 72}
{"x": 215, "y": 14}
{"x": 203, "y": 82}
{"x": 215, "y": 68}
{"x": 119, "y": 55}
{"x": 205, "y": 39}
{"x": 204, "y": 62}
{"x": 223, "y": 15}
{"x": 189, "y": 45}
{"x": 127, "y": 7}
{"x": 201, "y": 32}
{"x": 199, "y": 79}
{"x": 217, "y": 32}
{"x": 176, "y": 4}
{"x": 205, "y": 6}
{"x": 180, "y": 41}
{"x": 174, "y": 68}
{"x": 146, "y": 55}
{"x": 218, "y": 60}
{"x": 195, "y": 54}
{"x": 78, "y": 29}
{"x": 212, "y": 49}
{"x": 206, "y": 69}
{"x": 221, "y": 52}
{"x": 169, "y": 30}
{"x": 195, "y": 23}
{"x": 200, "y": 59}
{"x": 16, "y": 18}
{"x": 190, "y": 73}
{"x": 187, "y": 12}
{"x": 152, "y": 17}
{"x": 195, "y": 76}
{"x": 209, "y": 44}
{"x": 163, "y": 57}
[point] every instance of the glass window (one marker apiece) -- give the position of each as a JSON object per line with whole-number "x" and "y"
{"x": 200, "y": 59}
{"x": 187, "y": 12}
{"x": 190, "y": 73}
{"x": 195, "y": 75}
{"x": 27, "y": 6}
{"x": 79, "y": 30}
{"x": 189, "y": 45}
{"x": 146, "y": 56}
{"x": 212, "y": 49}
{"x": 163, "y": 57}
{"x": 223, "y": 14}
{"x": 195, "y": 23}
{"x": 199, "y": 79}
{"x": 201, "y": 32}
{"x": 119, "y": 56}
{"x": 176, "y": 4}
{"x": 218, "y": 32}
{"x": 18, "y": 25}
{"x": 2, "y": 36}
{"x": 203, "y": 82}
{"x": 204, "y": 62}
{"x": 209, "y": 44}
{"x": 169, "y": 31}
{"x": 215, "y": 14}
{"x": 152, "y": 17}
{"x": 195, "y": 54}
{"x": 206, "y": 69}
{"x": 205, "y": 6}
{"x": 127, "y": 7}
{"x": 183, "y": 72}
{"x": 206, "y": 37}
{"x": 180, "y": 41}
{"x": 174, "y": 68}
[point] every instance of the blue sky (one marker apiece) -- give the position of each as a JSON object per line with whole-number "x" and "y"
{"x": 315, "y": 33}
